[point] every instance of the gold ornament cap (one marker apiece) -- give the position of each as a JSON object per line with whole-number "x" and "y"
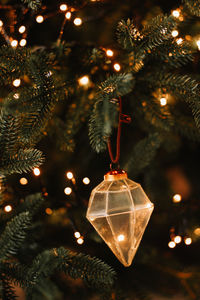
{"x": 115, "y": 175}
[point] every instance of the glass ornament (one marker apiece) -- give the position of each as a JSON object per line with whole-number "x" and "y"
{"x": 119, "y": 210}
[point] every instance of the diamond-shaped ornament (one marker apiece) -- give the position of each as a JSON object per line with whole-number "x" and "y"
{"x": 120, "y": 210}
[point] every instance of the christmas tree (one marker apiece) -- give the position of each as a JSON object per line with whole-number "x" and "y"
{"x": 70, "y": 74}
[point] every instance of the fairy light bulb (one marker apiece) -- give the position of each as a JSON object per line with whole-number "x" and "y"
{"x": 188, "y": 241}
{"x": 171, "y": 244}
{"x": 83, "y": 80}
{"x": 177, "y": 198}
{"x": 109, "y": 52}
{"x": 77, "y": 234}
{"x": 176, "y": 13}
{"x": 16, "y": 96}
{"x": 16, "y": 82}
{"x": 22, "y": 43}
{"x": 63, "y": 7}
{"x": 8, "y": 208}
{"x": 179, "y": 41}
{"x": 68, "y": 15}
{"x": 69, "y": 175}
{"x": 198, "y": 44}
{"x": 80, "y": 241}
{"x": 67, "y": 191}
{"x": 48, "y": 211}
{"x": 197, "y": 231}
{"x": 39, "y": 19}
{"x": 1, "y": 23}
{"x": 36, "y": 171}
{"x": 117, "y": 67}
{"x": 23, "y": 181}
{"x": 163, "y": 101}
{"x": 14, "y": 43}
{"x": 177, "y": 239}
{"x": 175, "y": 33}
{"x": 121, "y": 238}
{"x": 22, "y": 29}
{"x": 86, "y": 180}
{"x": 78, "y": 21}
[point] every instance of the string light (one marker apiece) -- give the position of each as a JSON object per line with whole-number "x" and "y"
{"x": 22, "y": 43}
{"x": 48, "y": 211}
{"x": 67, "y": 190}
{"x": 177, "y": 198}
{"x": 198, "y": 44}
{"x": 175, "y": 33}
{"x": 1, "y": 23}
{"x": 39, "y": 19}
{"x": 117, "y": 67}
{"x": 179, "y": 41}
{"x": 63, "y": 7}
{"x": 69, "y": 175}
{"x": 23, "y": 181}
{"x": 80, "y": 241}
{"x": 177, "y": 239}
{"x": 83, "y": 80}
{"x": 16, "y": 96}
{"x": 36, "y": 171}
{"x": 16, "y": 82}
{"x": 77, "y": 234}
{"x": 68, "y": 15}
{"x": 86, "y": 180}
{"x": 8, "y": 208}
{"x": 22, "y": 29}
{"x": 109, "y": 52}
{"x": 78, "y": 21}
{"x": 163, "y": 101}
{"x": 176, "y": 13}
{"x": 197, "y": 231}
{"x": 14, "y": 43}
{"x": 121, "y": 238}
{"x": 188, "y": 241}
{"x": 171, "y": 244}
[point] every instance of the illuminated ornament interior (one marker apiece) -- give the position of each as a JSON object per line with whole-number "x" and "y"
{"x": 120, "y": 210}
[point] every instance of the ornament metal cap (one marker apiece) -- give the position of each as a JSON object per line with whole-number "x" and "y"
{"x": 115, "y": 175}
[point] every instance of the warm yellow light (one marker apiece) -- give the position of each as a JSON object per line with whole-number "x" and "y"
{"x": 171, "y": 244}
{"x": 121, "y": 237}
{"x": 198, "y": 44}
{"x": 68, "y": 15}
{"x": 39, "y": 19}
{"x": 163, "y": 101}
{"x": 22, "y": 43}
{"x": 78, "y": 21}
{"x": 69, "y": 175}
{"x": 177, "y": 239}
{"x": 22, "y": 29}
{"x": 23, "y": 181}
{"x": 197, "y": 231}
{"x": 179, "y": 41}
{"x": 177, "y": 198}
{"x": 77, "y": 234}
{"x": 36, "y": 171}
{"x": 14, "y": 43}
{"x": 16, "y": 96}
{"x": 176, "y": 13}
{"x": 86, "y": 180}
{"x": 80, "y": 241}
{"x": 188, "y": 241}
{"x": 48, "y": 211}
{"x": 17, "y": 82}
{"x": 63, "y": 7}
{"x": 175, "y": 33}
{"x": 67, "y": 190}
{"x": 1, "y": 23}
{"x": 83, "y": 80}
{"x": 109, "y": 52}
{"x": 7, "y": 208}
{"x": 117, "y": 67}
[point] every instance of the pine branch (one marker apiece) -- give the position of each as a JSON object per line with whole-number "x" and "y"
{"x": 8, "y": 291}
{"x": 32, "y": 203}
{"x": 193, "y": 6}
{"x": 33, "y": 4}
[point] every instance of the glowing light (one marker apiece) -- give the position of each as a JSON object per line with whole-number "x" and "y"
{"x": 86, "y": 180}
{"x": 117, "y": 67}
{"x": 67, "y": 190}
{"x": 16, "y": 96}
{"x": 69, "y": 175}
{"x": 188, "y": 241}
{"x": 22, "y": 29}
{"x": 176, "y": 13}
{"x": 179, "y": 41}
{"x": 23, "y": 181}
{"x": 80, "y": 241}
{"x": 83, "y": 80}
{"x": 163, "y": 101}
{"x": 1, "y": 23}
{"x": 63, "y": 7}
{"x": 171, "y": 244}
{"x": 177, "y": 239}
{"x": 175, "y": 33}
{"x": 177, "y": 198}
{"x": 109, "y": 52}
{"x": 17, "y": 82}
{"x": 7, "y": 208}
{"x": 121, "y": 237}
{"x": 68, "y": 15}
{"x": 78, "y": 21}
{"x": 48, "y": 211}
{"x": 197, "y": 231}
{"x": 14, "y": 43}
{"x": 198, "y": 44}
{"x": 77, "y": 234}
{"x": 39, "y": 19}
{"x": 36, "y": 171}
{"x": 22, "y": 43}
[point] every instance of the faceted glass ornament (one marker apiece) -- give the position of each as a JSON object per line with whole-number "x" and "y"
{"x": 120, "y": 210}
